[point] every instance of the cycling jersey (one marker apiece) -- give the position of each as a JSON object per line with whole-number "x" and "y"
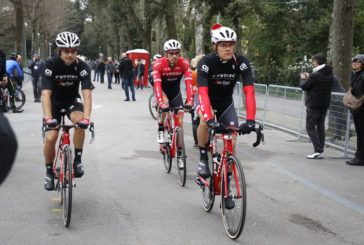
{"x": 64, "y": 79}
{"x": 216, "y": 81}
{"x": 12, "y": 65}
{"x": 168, "y": 80}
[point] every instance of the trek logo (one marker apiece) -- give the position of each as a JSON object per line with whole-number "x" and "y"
{"x": 83, "y": 73}
{"x": 205, "y": 68}
{"x": 243, "y": 67}
{"x": 48, "y": 72}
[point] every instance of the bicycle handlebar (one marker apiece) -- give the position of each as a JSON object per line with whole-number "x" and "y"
{"x": 258, "y": 130}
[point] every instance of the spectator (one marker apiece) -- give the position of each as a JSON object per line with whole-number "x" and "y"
{"x": 102, "y": 70}
{"x": 19, "y": 81}
{"x": 36, "y": 65}
{"x": 3, "y": 76}
{"x": 318, "y": 85}
{"x": 139, "y": 73}
{"x": 117, "y": 72}
{"x": 96, "y": 71}
{"x": 127, "y": 73}
{"x": 109, "y": 70}
{"x": 357, "y": 89}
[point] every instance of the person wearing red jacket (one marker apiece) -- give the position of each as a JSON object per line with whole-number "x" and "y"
{"x": 167, "y": 74}
{"x": 217, "y": 74}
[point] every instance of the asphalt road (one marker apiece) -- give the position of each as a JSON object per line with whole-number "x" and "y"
{"x": 125, "y": 197}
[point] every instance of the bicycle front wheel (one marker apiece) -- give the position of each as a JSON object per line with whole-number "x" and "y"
{"x": 67, "y": 186}
{"x": 181, "y": 157}
{"x": 233, "y": 201}
{"x": 153, "y": 106}
{"x": 208, "y": 192}
{"x": 19, "y": 99}
{"x": 167, "y": 160}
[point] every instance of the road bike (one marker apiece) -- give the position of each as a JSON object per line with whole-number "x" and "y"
{"x": 6, "y": 99}
{"x": 153, "y": 105}
{"x": 174, "y": 146}
{"x": 63, "y": 165}
{"x": 227, "y": 179}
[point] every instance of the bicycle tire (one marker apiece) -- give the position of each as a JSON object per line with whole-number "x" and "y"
{"x": 152, "y": 102}
{"x": 208, "y": 193}
{"x": 20, "y": 99}
{"x": 181, "y": 159}
{"x": 67, "y": 186}
{"x": 234, "y": 218}
{"x": 167, "y": 160}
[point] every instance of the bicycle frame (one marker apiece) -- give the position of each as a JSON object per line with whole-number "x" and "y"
{"x": 170, "y": 122}
{"x": 227, "y": 150}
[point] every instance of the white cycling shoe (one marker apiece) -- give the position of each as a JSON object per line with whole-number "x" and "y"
{"x": 160, "y": 137}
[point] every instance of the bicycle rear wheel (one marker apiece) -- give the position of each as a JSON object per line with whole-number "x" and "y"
{"x": 208, "y": 192}
{"x": 180, "y": 157}
{"x": 153, "y": 106}
{"x": 67, "y": 186}
{"x": 19, "y": 99}
{"x": 234, "y": 216}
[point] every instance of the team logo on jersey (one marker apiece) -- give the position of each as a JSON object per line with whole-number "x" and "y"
{"x": 205, "y": 68}
{"x": 83, "y": 73}
{"x": 48, "y": 72}
{"x": 243, "y": 67}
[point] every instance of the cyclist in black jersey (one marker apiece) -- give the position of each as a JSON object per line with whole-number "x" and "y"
{"x": 217, "y": 74}
{"x": 61, "y": 78}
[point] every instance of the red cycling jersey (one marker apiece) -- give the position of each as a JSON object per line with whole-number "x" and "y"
{"x": 168, "y": 80}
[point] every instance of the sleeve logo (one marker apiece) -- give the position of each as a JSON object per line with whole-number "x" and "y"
{"x": 48, "y": 72}
{"x": 243, "y": 67}
{"x": 205, "y": 68}
{"x": 83, "y": 73}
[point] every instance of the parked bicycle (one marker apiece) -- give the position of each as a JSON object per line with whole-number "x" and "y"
{"x": 174, "y": 146}
{"x": 63, "y": 165}
{"x": 7, "y": 99}
{"x": 228, "y": 180}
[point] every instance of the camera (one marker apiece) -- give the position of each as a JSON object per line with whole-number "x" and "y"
{"x": 303, "y": 69}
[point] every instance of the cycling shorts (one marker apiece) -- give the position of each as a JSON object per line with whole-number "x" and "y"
{"x": 177, "y": 102}
{"x": 69, "y": 107}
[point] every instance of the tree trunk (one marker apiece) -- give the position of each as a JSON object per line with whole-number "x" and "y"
{"x": 343, "y": 31}
{"x": 19, "y": 26}
{"x": 169, "y": 17}
{"x": 200, "y": 48}
{"x": 238, "y": 34}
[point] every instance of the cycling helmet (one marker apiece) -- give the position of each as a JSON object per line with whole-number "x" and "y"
{"x": 157, "y": 56}
{"x": 223, "y": 34}
{"x": 171, "y": 44}
{"x": 67, "y": 40}
{"x": 13, "y": 56}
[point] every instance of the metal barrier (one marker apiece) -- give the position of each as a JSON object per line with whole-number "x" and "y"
{"x": 283, "y": 107}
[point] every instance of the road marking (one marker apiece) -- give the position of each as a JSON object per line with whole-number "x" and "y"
{"x": 319, "y": 189}
{"x": 56, "y": 199}
{"x": 56, "y": 210}
{"x": 94, "y": 106}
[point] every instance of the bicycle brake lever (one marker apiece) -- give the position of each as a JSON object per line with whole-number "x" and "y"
{"x": 92, "y": 132}
{"x": 260, "y": 136}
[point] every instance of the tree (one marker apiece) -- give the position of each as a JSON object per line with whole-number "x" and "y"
{"x": 343, "y": 29}
{"x": 19, "y": 26}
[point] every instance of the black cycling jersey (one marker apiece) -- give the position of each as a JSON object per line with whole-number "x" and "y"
{"x": 64, "y": 80}
{"x": 221, "y": 77}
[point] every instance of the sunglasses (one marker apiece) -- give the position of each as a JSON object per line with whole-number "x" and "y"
{"x": 356, "y": 61}
{"x": 173, "y": 53}
{"x": 69, "y": 50}
{"x": 225, "y": 45}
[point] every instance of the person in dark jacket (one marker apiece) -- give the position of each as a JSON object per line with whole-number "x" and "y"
{"x": 140, "y": 73}
{"x": 318, "y": 86}
{"x": 127, "y": 74}
{"x": 96, "y": 71}
{"x": 357, "y": 89}
{"x": 36, "y": 65}
{"x": 102, "y": 70}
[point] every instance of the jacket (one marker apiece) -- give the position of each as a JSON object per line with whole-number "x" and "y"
{"x": 36, "y": 67}
{"x": 126, "y": 68}
{"x": 318, "y": 87}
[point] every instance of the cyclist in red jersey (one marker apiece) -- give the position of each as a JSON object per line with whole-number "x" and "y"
{"x": 167, "y": 74}
{"x": 217, "y": 74}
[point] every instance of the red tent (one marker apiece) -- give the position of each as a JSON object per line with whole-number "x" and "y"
{"x": 142, "y": 55}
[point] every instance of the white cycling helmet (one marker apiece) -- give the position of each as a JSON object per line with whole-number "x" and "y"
{"x": 67, "y": 40}
{"x": 156, "y": 56}
{"x": 171, "y": 44}
{"x": 223, "y": 34}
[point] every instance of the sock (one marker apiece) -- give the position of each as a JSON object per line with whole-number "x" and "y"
{"x": 160, "y": 126}
{"x": 49, "y": 167}
{"x": 78, "y": 155}
{"x": 203, "y": 154}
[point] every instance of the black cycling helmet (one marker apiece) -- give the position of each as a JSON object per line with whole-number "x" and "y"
{"x": 13, "y": 56}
